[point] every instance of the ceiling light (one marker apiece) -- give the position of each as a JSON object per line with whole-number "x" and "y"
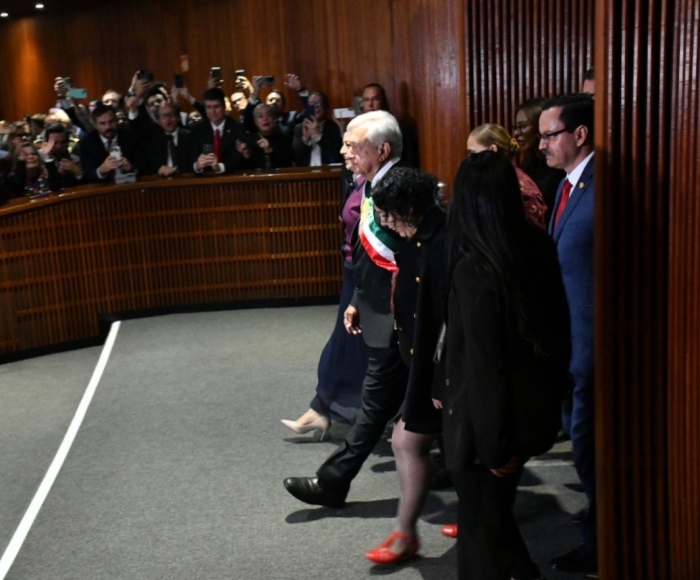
{"x": 39, "y": 6}
{"x": 4, "y": 14}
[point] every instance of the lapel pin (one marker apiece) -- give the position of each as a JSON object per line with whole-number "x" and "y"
{"x": 581, "y": 185}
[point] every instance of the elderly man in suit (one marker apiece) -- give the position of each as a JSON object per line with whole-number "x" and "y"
{"x": 566, "y": 141}
{"x": 215, "y": 140}
{"x": 169, "y": 148}
{"x": 108, "y": 148}
{"x": 373, "y": 144}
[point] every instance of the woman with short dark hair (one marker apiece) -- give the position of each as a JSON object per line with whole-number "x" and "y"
{"x": 406, "y": 202}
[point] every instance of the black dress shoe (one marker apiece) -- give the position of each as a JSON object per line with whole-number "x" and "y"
{"x": 581, "y": 560}
{"x": 309, "y": 490}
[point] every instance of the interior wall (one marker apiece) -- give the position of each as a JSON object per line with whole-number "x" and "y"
{"x": 436, "y": 58}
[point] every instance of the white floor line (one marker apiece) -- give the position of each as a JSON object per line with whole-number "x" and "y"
{"x": 538, "y": 463}
{"x": 25, "y": 525}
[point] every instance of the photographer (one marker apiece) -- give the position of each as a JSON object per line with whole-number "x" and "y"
{"x": 32, "y": 177}
{"x": 108, "y": 148}
{"x": 267, "y": 148}
{"x": 317, "y": 139}
{"x": 77, "y": 114}
{"x": 68, "y": 165}
{"x": 285, "y": 120}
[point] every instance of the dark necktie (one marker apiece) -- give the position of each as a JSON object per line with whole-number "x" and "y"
{"x": 109, "y": 145}
{"x": 563, "y": 200}
{"x": 172, "y": 150}
{"x": 217, "y": 145}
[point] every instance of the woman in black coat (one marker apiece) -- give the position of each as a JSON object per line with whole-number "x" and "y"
{"x": 505, "y": 361}
{"x": 405, "y": 202}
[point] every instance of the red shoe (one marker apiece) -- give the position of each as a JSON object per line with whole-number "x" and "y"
{"x": 450, "y": 530}
{"x": 382, "y": 554}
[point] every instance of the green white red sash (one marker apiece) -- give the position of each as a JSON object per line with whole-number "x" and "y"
{"x": 378, "y": 244}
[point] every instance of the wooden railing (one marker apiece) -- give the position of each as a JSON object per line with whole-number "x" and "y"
{"x": 160, "y": 244}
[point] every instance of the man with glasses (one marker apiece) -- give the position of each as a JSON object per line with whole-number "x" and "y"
{"x": 169, "y": 149}
{"x": 566, "y": 141}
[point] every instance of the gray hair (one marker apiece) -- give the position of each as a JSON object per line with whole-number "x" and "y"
{"x": 382, "y": 127}
{"x": 261, "y": 107}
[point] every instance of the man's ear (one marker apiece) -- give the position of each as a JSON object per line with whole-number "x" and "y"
{"x": 384, "y": 151}
{"x": 581, "y": 134}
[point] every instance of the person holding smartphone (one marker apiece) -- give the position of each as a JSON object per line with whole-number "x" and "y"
{"x": 216, "y": 143}
{"x": 317, "y": 139}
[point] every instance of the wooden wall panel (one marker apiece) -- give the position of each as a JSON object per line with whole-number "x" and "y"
{"x": 64, "y": 260}
{"x": 684, "y": 290}
{"x": 435, "y": 57}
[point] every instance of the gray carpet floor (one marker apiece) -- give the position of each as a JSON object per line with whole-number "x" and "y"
{"x": 176, "y": 472}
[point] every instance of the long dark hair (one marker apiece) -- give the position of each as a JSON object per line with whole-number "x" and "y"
{"x": 486, "y": 219}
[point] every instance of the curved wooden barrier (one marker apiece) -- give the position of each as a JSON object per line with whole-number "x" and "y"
{"x": 160, "y": 244}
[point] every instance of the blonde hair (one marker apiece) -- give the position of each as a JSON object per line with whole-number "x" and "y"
{"x": 490, "y": 134}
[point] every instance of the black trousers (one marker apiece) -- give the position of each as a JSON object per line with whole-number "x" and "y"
{"x": 383, "y": 392}
{"x": 489, "y": 544}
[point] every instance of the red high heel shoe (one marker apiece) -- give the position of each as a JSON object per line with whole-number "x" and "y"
{"x": 450, "y": 530}
{"x": 382, "y": 554}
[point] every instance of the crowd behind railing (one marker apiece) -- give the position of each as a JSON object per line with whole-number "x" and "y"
{"x": 146, "y": 132}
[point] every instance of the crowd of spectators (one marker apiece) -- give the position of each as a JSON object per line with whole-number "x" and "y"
{"x": 145, "y": 132}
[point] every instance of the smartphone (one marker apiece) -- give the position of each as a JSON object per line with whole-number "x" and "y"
{"x": 179, "y": 81}
{"x": 77, "y": 93}
{"x": 207, "y": 149}
{"x": 310, "y": 112}
{"x": 240, "y": 73}
{"x": 215, "y": 73}
{"x": 266, "y": 81}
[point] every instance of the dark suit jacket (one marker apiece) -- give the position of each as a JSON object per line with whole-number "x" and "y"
{"x": 573, "y": 236}
{"x": 330, "y": 143}
{"x": 418, "y": 293}
{"x": 203, "y": 134}
{"x": 156, "y": 152}
{"x": 501, "y": 398}
{"x": 372, "y": 295}
{"x": 281, "y": 155}
{"x": 93, "y": 153}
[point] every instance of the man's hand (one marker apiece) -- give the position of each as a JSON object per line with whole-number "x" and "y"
{"x": 293, "y": 82}
{"x": 511, "y": 467}
{"x": 69, "y": 166}
{"x": 437, "y": 403}
{"x": 206, "y": 160}
{"x": 132, "y": 103}
{"x": 351, "y": 320}
{"x": 110, "y": 164}
{"x": 48, "y": 145}
{"x": 126, "y": 165}
{"x": 244, "y": 84}
{"x": 140, "y": 86}
{"x": 165, "y": 171}
{"x": 214, "y": 83}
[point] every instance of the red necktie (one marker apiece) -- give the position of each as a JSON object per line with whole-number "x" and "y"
{"x": 217, "y": 145}
{"x": 563, "y": 200}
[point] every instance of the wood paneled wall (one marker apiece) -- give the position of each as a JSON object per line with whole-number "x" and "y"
{"x": 684, "y": 291}
{"x": 436, "y": 58}
{"x": 648, "y": 289}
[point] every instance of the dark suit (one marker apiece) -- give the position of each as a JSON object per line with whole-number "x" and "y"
{"x": 93, "y": 153}
{"x": 384, "y": 386}
{"x": 203, "y": 134}
{"x": 501, "y": 398}
{"x": 573, "y": 235}
{"x": 156, "y": 151}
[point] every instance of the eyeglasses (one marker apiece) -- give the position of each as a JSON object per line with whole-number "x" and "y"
{"x": 547, "y": 137}
{"x": 520, "y": 127}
